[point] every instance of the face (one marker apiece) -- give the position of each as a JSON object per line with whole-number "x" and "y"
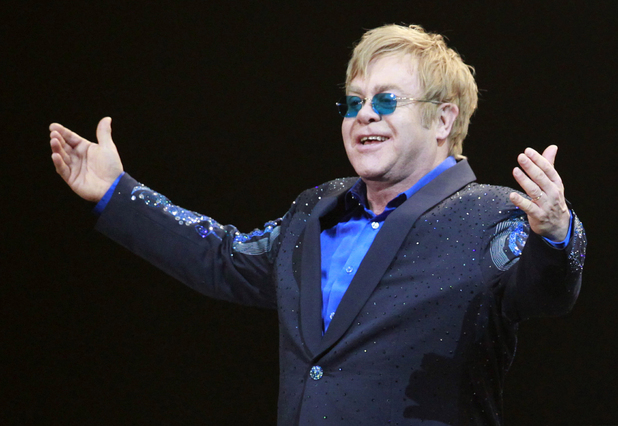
{"x": 400, "y": 150}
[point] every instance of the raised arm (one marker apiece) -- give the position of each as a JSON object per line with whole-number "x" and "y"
{"x": 88, "y": 168}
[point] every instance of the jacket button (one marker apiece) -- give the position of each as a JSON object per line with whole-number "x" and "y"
{"x": 316, "y": 372}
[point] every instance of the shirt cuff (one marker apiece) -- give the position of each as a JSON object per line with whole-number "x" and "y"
{"x": 562, "y": 244}
{"x": 98, "y": 209}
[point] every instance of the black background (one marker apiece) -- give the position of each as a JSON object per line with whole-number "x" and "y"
{"x": 228, "y": 108}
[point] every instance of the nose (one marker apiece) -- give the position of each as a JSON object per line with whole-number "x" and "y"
{"x": 367, "y": 113}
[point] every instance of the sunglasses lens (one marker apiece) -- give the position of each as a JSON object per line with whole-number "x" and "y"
{"x": 342, "y": 107}
{"x": 349, "y": 106}
{"x": 384, "y": 103}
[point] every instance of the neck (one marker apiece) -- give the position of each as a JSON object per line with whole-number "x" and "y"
{"x": 380, "y": 193}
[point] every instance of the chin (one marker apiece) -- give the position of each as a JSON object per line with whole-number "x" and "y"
{"x": 368, "y": 170}
{"x": 372, "y": 176}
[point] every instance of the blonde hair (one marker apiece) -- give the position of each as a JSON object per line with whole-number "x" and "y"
{"x": 442, "y": 74}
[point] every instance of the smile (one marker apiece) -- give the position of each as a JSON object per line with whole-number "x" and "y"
{"x": 370, "y": 139}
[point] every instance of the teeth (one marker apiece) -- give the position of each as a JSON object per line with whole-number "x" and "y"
{"x": 373, "y": 138}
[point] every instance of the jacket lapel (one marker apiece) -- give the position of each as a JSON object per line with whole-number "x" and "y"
{"x": 378, "y": 258}
{"x": 311, "y": 273}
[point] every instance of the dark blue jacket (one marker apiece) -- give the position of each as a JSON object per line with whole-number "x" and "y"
{"x": 427, "y": 329}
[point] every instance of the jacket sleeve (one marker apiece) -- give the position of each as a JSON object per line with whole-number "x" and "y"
{"x": 214, "y": 259}
{"x": 533, "y": 277}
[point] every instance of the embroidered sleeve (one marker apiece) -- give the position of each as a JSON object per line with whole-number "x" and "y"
{"x": 257, "y": 242}
{"x": 509, "y": 239}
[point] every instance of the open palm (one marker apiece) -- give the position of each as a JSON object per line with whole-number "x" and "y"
{"x": 88, "y": 168}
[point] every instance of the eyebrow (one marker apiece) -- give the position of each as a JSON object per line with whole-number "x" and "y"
{"x": 379, "y": 89}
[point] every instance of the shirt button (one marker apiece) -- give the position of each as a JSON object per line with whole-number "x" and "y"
{"x": 349, "y": 269}
{"x": 375, "y": 225}
{"x": 332, "y": 314}
{"x": 316, "y": 372}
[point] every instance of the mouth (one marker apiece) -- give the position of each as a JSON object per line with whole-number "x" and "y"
{"x": 367, "y": 140}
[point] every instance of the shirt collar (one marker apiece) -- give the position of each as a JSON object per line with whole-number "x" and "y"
{"x": 357, "y": 194}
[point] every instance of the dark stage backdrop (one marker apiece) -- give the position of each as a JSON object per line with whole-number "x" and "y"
{"x": 228, "y": 108}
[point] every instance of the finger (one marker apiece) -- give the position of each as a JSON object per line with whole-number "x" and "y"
{"x": 68, "y": 136}
{"x": 550, "y": 154}
{"x": 527, "y": 184}
{"x": 54, "y": 135}
{"x": 532, "y": 163}
{"x": 58, "y": 137}
{"x": 64, "y": 148}
{"x": 104, "y": 132}
{"x": 524, "y": 204}
{"x": 58, "y": 148}
{"x": 540, "y": 170}
{"x": 55, "y": 126}
{"x": 61, "y": 168}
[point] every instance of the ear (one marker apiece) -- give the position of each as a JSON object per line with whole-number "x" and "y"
{"x": 447, "y": 113}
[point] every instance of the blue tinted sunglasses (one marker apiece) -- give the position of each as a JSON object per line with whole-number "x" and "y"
{"x": 382, "y": 103}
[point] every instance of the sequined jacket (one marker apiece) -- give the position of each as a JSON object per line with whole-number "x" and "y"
{"x": 427, "y": 329}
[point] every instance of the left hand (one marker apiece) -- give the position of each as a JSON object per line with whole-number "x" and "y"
{"x": 547, "y": 211}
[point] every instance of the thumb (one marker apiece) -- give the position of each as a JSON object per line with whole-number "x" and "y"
{"x": 549, "y": 153}
{"x": 104, "y": 132}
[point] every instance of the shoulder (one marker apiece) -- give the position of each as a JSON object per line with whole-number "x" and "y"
{"x": 310, "y": 197}
{"x": 487, "y": 197}
{"x": 481, "y": 206}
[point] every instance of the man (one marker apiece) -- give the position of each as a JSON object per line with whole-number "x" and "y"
{"x": 399, "y": 294}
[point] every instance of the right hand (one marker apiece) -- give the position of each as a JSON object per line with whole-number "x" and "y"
{"x": 88, "y": 168}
